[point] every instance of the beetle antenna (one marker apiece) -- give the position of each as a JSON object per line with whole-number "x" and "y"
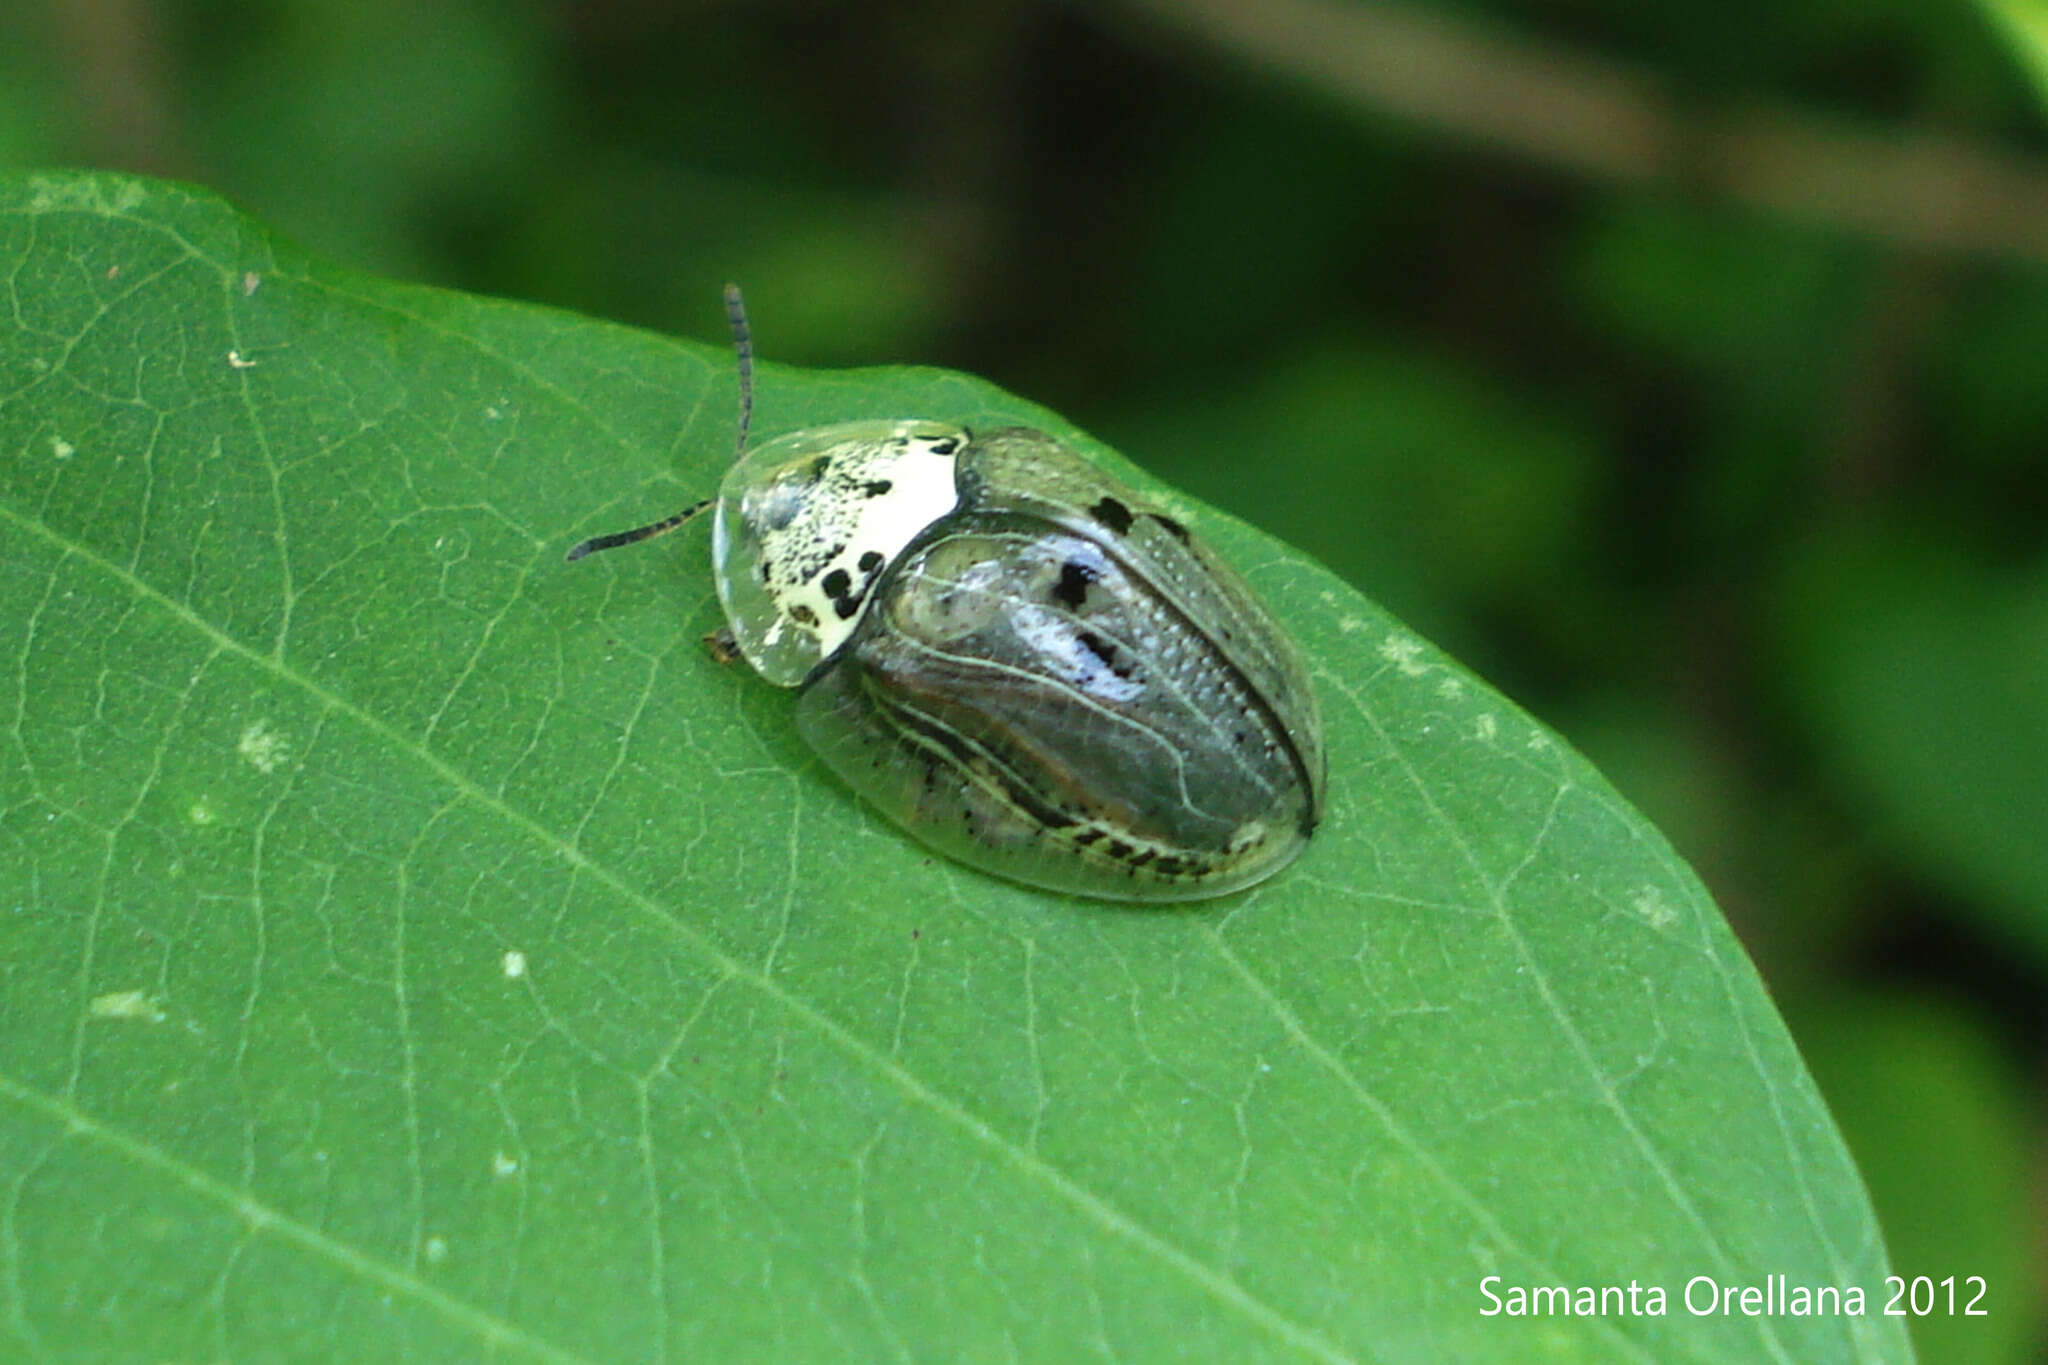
{"x": 638, "y": 533}
{"x": 743, "y": 349}
{"x": 743, "y": 352}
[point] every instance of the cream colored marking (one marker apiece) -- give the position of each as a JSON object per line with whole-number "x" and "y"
{"x": 238, "y": 361}
{"x": 1405, "y": 653}
{"x": 1650, "y": 904}
{"x": 514, "y": 963}
{"x": 250, "y": 281}
{"x": 1450, "y": 689}
{"x": 451, "y": 547}
{"x": 99, "y": 195}
{"x": 1486, "y": 727}
{"x": 503, "y": 1165}
{"x": 201, "y": 811}
{"x": 128, "y": 1005}
{"x": 62, "y": 448}
{"x": 436, "y": 1249}
{"x": 262, "y": 748}
{"x": 1249, "y": 835}
{"x": 921, "y": 491}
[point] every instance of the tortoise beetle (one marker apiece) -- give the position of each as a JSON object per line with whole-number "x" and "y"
{"x": 1013, "y": 656}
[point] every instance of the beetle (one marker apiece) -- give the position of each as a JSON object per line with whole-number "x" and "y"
{"x": 1025, "y": 664}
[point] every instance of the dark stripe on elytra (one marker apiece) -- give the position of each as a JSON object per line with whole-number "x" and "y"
{"x": 1113, "y": 514}
{"x": 1171, "y": 527}
{"x": 967, "y": 754}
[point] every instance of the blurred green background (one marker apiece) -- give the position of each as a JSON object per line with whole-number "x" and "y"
{"x": 1682, "y": 365}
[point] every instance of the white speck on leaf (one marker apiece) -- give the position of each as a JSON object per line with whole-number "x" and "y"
{"x": 128, "y": 1005}
{"x": 1486, "y": 727}
{"x": 1650, "y": 904}
{"x": 250, "y": 279}
{"x": 62, "y": 448}
{"x": 436, "y": 1249}
{"x": 263, "y": 748}
{"x": 239, "y": 361}
{"x": 504, "y": 1165}
{"x": 1405, "y": 653}
{"x": 514, "y": 963}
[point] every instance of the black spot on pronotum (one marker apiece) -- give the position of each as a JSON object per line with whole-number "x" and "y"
{"x": 1072, "y": 589}
{"x": 1170, "y": 526}
{"x": 874, "y": 488}
{"x": 838, "y": 585}
{"x": 946, "y": 446}
{"x": 871, "y": 561}
{"x": 1112, "y": 514}
{"x": 803, "y": 615}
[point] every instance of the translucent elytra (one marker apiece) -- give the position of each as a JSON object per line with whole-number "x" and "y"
{"x": 1058, "y": 684}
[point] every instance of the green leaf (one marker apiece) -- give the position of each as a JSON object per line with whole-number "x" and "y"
{"x": 414, "y": 947}
{"x": 2025, "y": 26}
